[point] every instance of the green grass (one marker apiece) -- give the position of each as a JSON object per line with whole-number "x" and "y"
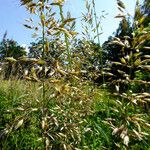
{"x": 73, "y": 115}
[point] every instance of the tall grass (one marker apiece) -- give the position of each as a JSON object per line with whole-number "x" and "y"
{"x": 74, "y": 117}
{"x": 23, "y": 125}
{"x": 66, "y": 111}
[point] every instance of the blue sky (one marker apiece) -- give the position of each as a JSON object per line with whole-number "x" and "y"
{"x": 12, "y": 17}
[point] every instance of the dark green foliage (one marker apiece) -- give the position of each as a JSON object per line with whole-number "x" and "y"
{"x": 35, "y": 50}
{"x": 10, "y": 48}
{"x": 145, "y": 11}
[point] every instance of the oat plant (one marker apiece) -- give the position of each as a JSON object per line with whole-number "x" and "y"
{"x": 131, "y": 107}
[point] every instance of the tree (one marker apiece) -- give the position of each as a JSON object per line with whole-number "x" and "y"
{"x": 10, "y": 48}
{"x": 145, "y": 10}
{"x": 35, "y": 50}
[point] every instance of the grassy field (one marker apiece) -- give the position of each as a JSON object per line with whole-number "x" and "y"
{"x": 76, "y": 115}
{"x": 29, "y": 122}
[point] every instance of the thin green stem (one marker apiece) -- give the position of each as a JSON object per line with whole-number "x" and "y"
{"x": 98, "y": 38}
{"x": 43, "y": 42}
{"x": 43, "y": 54}
{"x": 66, "y": 39}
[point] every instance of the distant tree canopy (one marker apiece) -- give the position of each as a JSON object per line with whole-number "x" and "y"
{"x": 35, "y": 50}
{"x": 10, "y": 48}
{"x": 145, "y": 10}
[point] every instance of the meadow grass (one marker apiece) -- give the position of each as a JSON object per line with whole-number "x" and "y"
{"x": 59, "y": 122}
{"x": 73, "y": 116}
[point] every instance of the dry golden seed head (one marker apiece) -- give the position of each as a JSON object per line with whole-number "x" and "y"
{"x": 65, "y": 147}
{"x": 138, "y": 135}
{"x": 144, "y": 134}
{"x": 43, "y": 124}
{"x": 123, "y": 133}
{"x": 117, "y": 88}
{"x": 34, "y": 109}
{"x": 21, "y": 109}
{"x": 19, "y": 124}
{"x": 47, "y": 142}
{"x": 126, "y": 140}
